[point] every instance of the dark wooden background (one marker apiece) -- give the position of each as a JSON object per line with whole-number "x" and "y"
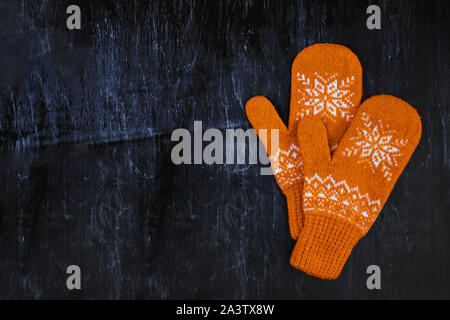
{"x": 86, "y": 176}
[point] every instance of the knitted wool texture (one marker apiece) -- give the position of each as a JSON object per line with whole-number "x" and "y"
{"x": 343, "y": 195}
{"x": 326, "y": 82}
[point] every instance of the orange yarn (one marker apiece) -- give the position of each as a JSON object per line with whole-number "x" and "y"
{"x": 343, "y": 195}
{"x": 326, "y": 82}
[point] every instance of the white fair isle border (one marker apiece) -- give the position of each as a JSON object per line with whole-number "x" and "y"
{"x": 286, "y": 165}
{"x": 325, "y": 194}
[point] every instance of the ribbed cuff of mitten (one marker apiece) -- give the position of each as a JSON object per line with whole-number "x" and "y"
{"x": 324, "y": 245}
{"x": 294, "y": 199}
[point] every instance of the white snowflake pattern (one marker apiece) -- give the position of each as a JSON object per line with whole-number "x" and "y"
{"x": 326, "y": 95}
{"x": 376, "y": 146}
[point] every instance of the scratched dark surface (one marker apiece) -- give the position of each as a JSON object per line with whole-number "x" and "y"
{"x": 86, "y": 176}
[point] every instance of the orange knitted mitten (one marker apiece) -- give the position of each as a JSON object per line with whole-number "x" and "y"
{"x": 343, "y": 195}
{"x": 326, "y": 82}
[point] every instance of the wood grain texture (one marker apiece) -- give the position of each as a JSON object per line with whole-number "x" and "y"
{"x": 86, "y": 176}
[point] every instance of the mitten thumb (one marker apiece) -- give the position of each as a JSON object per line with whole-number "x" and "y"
{"x": 263, "y": 117}
{"x": 313, "y": 141}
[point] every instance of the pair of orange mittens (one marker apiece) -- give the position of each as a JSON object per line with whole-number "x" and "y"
{"x": 338, "y": 161}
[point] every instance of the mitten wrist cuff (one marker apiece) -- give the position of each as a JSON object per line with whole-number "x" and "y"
{"x": 324, "y": 245}
{"x": 294, "y": 199}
